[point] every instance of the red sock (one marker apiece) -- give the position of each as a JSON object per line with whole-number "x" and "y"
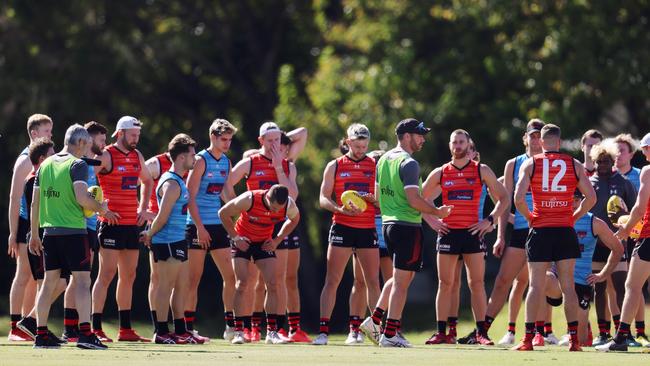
{"x": 324, "y": 326}
{"x": 378, "y": 315}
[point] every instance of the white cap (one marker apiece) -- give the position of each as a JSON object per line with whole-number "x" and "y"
{"x": 269, "y": 127}
{"x": 127, "y": 122}
{"x": 645, "y": 141}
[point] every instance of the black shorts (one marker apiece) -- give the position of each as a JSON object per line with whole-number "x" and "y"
{"x": 162, "y": 252}
{"x": 383, "y": 253}
{"x": 601, "y": 253}
{"x": 93, "y": 242}
{"x": 518, "y": 238}
{"x": 350, "y": 237}
{"x": 291, "y": 241}
{"x": 585, "y": 295}
{"x": 459, "y": 241}
{"x": 629, "y": 249}
{"x": 642, "y": 249}
{"x": 66, "y": 252}
{"x": 404, "y": 244}
{"x": 219, "y": 236}
{"x": 254, "y": 252}
{"x": 37, "y": 265}
{"x": 552, "y": 244}
{"x": 23, "y": 230}
{"x": 119, "y": 236}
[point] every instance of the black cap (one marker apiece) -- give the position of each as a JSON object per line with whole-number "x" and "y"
{"x": 411, "y": 125}
{"x": 534, "y": 125}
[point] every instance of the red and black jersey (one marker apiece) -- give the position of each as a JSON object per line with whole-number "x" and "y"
{"x": 552, "y": 183}
{"x": 262, "y": 174}
{"x": 461, "y": 188}
{"x": 645, "y": 229}
{"x": 358, "y": 176}
{"x": 164, "y": 164}
{"x": 120, "y": 184}
{"x": 258, "y": 221}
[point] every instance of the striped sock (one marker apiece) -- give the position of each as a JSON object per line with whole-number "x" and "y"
{"x": 324, "y": 326}
{"x": 392, "y": 325}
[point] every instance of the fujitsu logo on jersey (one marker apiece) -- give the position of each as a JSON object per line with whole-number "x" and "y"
{"x": 50, "y": 192}
{"x": 553, "y": 203}
{"x": 387, "y": 191}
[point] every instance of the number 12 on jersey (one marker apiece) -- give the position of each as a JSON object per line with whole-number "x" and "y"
{"x": 555, "y": 187}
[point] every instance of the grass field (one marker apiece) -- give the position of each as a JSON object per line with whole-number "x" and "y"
{"x": 219, "y": 352}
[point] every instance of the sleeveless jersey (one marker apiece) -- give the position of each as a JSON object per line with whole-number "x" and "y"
{"x": 58, "y": 203}
{"x": 461, "y": 187}
{"x": 392, "y": 197}
{"x": 358, "y": 176}
{"x": 645, "y": 229}
{"x": 634, "y": 176}
{"x": 585, "y": 230}
{"x": 520, "y": 221}
{"x": 553, "y": 181}
{"x": 91, "y": 222}
{"x": 258, "y": 221}
{"x": 164, "y": 164}
{"x": 481, "y": 204}
{"x": 120, "y": 184}
{"x": 208, "y": 197}
{"x": 174, "y": 229}
{"x": 23, "y": 202}
{"x": 262, "y": 173}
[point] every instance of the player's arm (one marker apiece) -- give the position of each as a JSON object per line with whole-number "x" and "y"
{"x": 233, "y": 209}
{"x": 35, "y": 243}
{"x": 293, "y": 217}
{"x": 496, "y": 190}
{"x": 587, "y": 190}
{"x": 22, "y": 167}
{"x": 410, "y": 173}
{"x": 523, "y": 183}
{"x": 326, "y": 191}
{"x": 236, "y": 174}
{"x": 145, "y": 193}
{"x": 193, "y": 184}
{"x": 153, "y": 165}
{"x": 170, "y": 192}
{"x": 606, "y": 236}
{"x": 298, "y": 142}
{"x": 430, "y": 191}
{"x": 639, "y": 207}
{"x": 509, "y": 186}
{"x": 288, "y": 181}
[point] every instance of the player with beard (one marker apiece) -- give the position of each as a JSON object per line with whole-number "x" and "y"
{"x": 513, "y": 256}
{"x": 461, "y": 182}
{"x": 120, "y": 173}
{"x": 552, "y": 177}
{"x": 640, "y": 262}
{"x": 23, "y": 287}
{"x": 204, "y": 232}
{"x": 262, "y": 170}
{"x": 398, "y": 187}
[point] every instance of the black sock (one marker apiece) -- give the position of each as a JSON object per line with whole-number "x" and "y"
{"x": 622, "y": 333}
{"x": 162, "y": 328}
{"x": 247, "y": 322}
{"x": 480, "y": 328}
{"x": 154, "y": 321}
{"x": 41, "y": 330}
{"x": 70, "y": 319}
{"x": 179, "y": 326}
{"x": 229, "y": 317}
{"x": 15, "y": 318}
{"x": 530, "y": 330}
{"x": 125, "y": 319}
{"x": 189, "y": 319}
{"x": 97, "y": 321}
{"x": 282, "y": 319}
{"x": 442, "y": 327}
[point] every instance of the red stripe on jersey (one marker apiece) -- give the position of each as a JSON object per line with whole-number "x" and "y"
{"x": 164, "y": 164}
{"x": 358, "y": 176}
{"x": 262, "y": 174}
{"x": 645, "y": 229}
{"x": 257, "y": 222}
{"x": 461, "y": 187}
{"x": 120, "y": 185}
{"x": 552, "y": 184}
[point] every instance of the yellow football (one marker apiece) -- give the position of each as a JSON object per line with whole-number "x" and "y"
{"x": 349, "y": 198}
{"x": 615, "y": 208}
{"x": 636, "y": 230}
{"x": 96, "y": 193}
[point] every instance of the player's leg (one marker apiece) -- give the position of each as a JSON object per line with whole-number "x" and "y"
{"x": 357, "y": 301}
{"x": 475, "y": 266}
{"x": 21, "y": 286}
{"x": 221, "y": 258}
{"x": 153, "y": 287}
{"x": 293, "y": 297}
{"x": 281, "y": 275}
{"x": 243, "y": 281}
{"x": 447, "y": 264}
{"x": 268, "y": 269}
{"x": 127, "y": 263}
{"x": 513, "y": 263}
{"x": 565, "y": 269}
{"x": 454, "y": 304}
{"x": 337, "y": 258}
{"x": 196, "y": 262}
{"x": 106, "y": 273}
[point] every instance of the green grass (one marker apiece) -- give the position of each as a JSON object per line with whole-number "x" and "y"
{"x": 219, "y": 352}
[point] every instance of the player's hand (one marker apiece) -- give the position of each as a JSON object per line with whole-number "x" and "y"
{"x": 511, "y": 218}
{"x": 481, "y": 228}
{"x": 353, "y": 210}
{"x": 12, "y": 246}
{"x": 145, "y": 238}
{"x": 241, "y": 242}
{"x": 498, "y": 247}
{"x": 595, "y": 278}
{"x": 276, "y": 157}
{"x": 203, "y": 237}
{"x": 370, "y": 198}
{"x": 113, "y": 218}
{"x": 436, "y": 224}
{"x": 443, "y": 211}
{"x": 271, "y": 244}
{"x": 144, "y": 216}
{"x": 623, "y": 233}
{"x": 35, "y": 245}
